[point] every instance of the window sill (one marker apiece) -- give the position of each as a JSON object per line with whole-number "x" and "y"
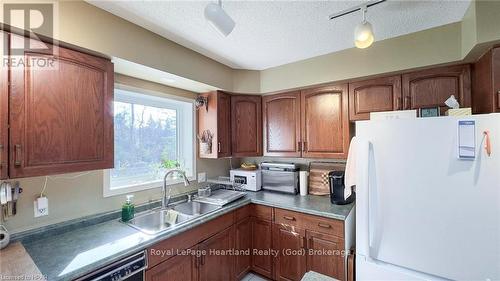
{"x": 108, "y": 192}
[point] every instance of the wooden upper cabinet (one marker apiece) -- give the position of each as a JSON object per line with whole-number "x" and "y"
{"x": 217, "y": 119}
{"x": 486, "y": 83}
{"x": 375, "y": 95}
{"x": 246, "y": 119}
{"x": 325, "y": 122}
{"x": 4, "y": 103}
{"x": 61, "y": 116}
{"x": 431, "y": 87}
{"x": 281, "y": 119}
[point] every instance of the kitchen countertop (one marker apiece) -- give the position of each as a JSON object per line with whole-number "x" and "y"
{"x": 74, "y": 253}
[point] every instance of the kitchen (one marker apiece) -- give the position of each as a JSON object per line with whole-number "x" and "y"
{"x": 113, "y": 115}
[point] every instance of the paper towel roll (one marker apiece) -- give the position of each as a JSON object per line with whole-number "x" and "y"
{"x": 303, "y": 182}
{"x": 4, "y": 237}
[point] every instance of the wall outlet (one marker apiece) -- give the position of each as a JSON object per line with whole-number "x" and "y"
{"x": 41, "y": 206}
{"x": 202, "y": 177}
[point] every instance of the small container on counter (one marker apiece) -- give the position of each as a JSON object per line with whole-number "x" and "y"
{"x": 128, "y": 209}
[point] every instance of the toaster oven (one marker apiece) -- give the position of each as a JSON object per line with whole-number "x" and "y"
{"x": 280, "y": 177}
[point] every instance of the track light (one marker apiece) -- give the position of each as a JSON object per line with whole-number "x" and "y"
{"x": 219, "y": 19}
{"x": 363, "y": 33}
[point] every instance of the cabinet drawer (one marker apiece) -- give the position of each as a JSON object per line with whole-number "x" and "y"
{"x": 310, "y": 222}
{"x": 262, "y": 212}
{"x": 324, "y": 225}
{"x": 287, "y": 217}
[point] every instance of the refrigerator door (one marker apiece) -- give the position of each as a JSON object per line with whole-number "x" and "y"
{"x": 419, "y": 207}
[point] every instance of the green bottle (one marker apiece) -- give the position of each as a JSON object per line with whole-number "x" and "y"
{"x": 128, "y": 209}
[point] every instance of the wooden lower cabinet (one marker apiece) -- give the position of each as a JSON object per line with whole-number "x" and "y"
{"x": 279, "y": 249}
{"x": 290, "y": 264}
{"x": 178, "y": 268}
{"x": 262, "y": 260}
{"x": 242, "y": 243}
{"x": 216, "y": 266}
{"x": 325, "y": 254}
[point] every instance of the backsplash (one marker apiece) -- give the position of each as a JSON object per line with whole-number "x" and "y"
{"x": 83, "y": 196}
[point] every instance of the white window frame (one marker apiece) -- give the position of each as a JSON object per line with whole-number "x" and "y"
{"x": 155, "y": 98}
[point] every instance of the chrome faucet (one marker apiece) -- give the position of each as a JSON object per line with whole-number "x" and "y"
{"x": 166, "y": 198}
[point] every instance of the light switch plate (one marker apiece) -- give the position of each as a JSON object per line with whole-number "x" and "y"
{"x": 202, "y": 177}
{"x": 41, "y": 206}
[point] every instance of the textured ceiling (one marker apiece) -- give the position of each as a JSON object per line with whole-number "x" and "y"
{"x": 272, "y": 33}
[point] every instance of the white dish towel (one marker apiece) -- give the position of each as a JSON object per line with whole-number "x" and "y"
{"x": 350, "y": 169}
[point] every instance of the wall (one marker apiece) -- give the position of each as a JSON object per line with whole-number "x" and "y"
{"x": 429, "y": 47}
{"x": 87, "y": 26}
{"x": 77, "y": 195}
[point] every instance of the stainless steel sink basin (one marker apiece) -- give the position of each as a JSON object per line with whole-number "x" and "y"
{"x": 195, "y": 208}
{"x": 156, "y": 221}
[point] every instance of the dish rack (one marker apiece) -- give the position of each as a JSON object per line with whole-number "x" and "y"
{"x": 225, "y": 183}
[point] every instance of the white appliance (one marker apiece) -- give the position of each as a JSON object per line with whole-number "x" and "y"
{"x": 421, "y": 212}
{"x": 249, "y": 179}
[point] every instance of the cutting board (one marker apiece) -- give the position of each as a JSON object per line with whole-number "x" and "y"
{"x": 318, "y": 176}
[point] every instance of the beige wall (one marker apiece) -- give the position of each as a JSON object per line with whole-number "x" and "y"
{"x": 71, "y": 197}
{"x": 87, "y": 26}
{"x": 424, "y": 48}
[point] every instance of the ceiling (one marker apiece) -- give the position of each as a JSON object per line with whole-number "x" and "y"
{"x": 273, "y": 33}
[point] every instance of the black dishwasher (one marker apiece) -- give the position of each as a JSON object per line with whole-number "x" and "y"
{"x": 131, "y": 269}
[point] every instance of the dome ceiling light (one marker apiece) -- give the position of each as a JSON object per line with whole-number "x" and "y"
{"x": 363, "y": 33}
{"x": 220, "y": 20}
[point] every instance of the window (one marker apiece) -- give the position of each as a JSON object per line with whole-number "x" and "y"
{"x": 152, "y": 134}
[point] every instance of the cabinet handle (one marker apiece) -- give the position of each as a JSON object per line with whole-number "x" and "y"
{"x": 398, "y": 103}
{"x": 289, "y": 218}
{"x": 1, "y": 154}
{"x": 324, "y": 225}
{"x": 197, "y": 262}
{"x": 303, "y": 242}
{"x": 300, "y": 146}
{"x": 304, "y": 146}
{"x": 17, "y": 155}
{"x": 203, "y": 260}
{"x": 218, "y": 147}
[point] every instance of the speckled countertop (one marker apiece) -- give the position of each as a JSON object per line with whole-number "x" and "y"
{"x": 74, "y": 253}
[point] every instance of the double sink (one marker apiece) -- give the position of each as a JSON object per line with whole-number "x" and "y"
{"x": 163, "y": 219}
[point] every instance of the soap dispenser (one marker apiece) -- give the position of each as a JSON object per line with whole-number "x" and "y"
{"x": 128, "y": 209}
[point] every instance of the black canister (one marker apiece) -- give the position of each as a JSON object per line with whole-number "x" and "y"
{"x": 337, "y": 188}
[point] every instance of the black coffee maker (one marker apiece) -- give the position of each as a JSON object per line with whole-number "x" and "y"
{"x": 337, "y": 188}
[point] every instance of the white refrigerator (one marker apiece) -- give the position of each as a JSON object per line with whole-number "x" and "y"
{"x": 423, "y": 213}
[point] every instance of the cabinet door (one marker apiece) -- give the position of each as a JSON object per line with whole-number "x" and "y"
{"x": 262, "y": 260}
{"x": 431, "y": 87}
{"x": 216, "y": 266}
{"x": 178, "y": 268}
{"x": 496, "y": 77}
{"x": 291, "y": 260}
{"x": 4, "y": 104}
{"x": 325, "y": 254}
{"x": 223, "y": 125}
{"x": 375, "y": 95}
{"x": 246, "y": 118}
{"x": 325, "y": 122}
{"x": 281, "y": 119}
{"x": 61, "y": 116}
{"x": 243, "y": 242}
